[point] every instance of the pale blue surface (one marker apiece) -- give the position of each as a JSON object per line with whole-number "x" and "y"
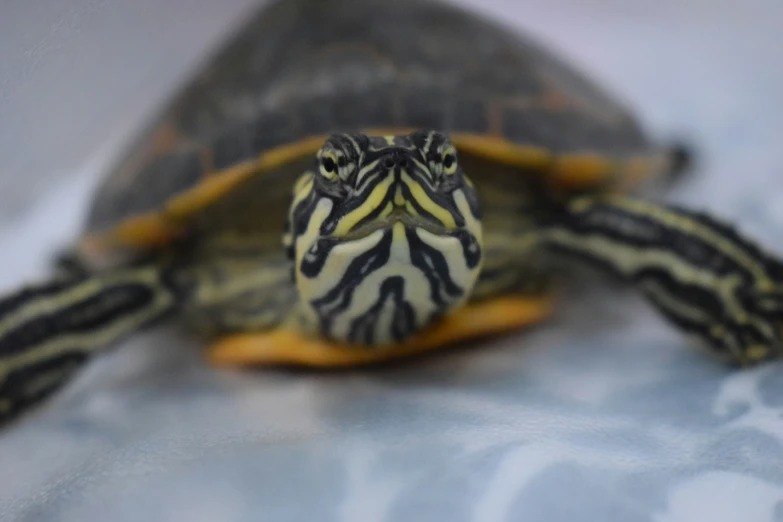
{"x": 603, "y": 414}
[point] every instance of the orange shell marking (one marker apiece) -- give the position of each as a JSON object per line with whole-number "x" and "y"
{"x": 572, "y": 172}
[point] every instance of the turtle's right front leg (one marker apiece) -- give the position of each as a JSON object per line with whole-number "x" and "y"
{"x": 701, "y": 274}
{"x": 49, "y": 330}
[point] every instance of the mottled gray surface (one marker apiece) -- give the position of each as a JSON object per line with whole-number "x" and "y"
{"x": 604, "y": 414}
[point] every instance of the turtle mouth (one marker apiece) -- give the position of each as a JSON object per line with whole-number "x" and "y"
{"x": 396, "y": 216}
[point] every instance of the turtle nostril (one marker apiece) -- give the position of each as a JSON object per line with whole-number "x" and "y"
{"x": 402, "y": 162}
{"x": 388, "y": 162}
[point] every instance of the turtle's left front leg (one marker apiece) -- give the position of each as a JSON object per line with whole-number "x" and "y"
{"x": 701, "y": 274}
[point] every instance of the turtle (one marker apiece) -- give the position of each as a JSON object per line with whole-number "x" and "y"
{"x": 351, "y": 182}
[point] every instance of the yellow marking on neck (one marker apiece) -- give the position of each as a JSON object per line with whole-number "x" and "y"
{"x": 322, "y": 209}
{"x": 373, "y": 201}
{"x": 387, "y": 211}
{"x": 302, "y": 186}
{"x": 472, "y": 224}
{"x": 366, "y": 169}
{"x": 399, "y": 199}
{"x": 440, "y": 213}
{"x": 398, "y": 232}
{"x": 301, "y": 190}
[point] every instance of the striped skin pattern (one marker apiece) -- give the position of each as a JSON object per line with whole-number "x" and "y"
{"x": 48, "y": 331}
{"x": 237, "y": 281}
{"x": 702, "y": 275}
{"x": 386, "y": 237}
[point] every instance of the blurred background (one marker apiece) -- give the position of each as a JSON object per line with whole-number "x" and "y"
{"x": 604, "y": 414}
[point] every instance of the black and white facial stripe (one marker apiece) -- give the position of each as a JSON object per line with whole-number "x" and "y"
{"x": 386, "y": 236}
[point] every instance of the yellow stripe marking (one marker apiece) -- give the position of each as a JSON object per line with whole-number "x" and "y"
{"x": 387, "y": 211}
{"x": 399, "y": 199}
{"x": 628, "y": 260}
{"x": 440, "y": 213}
{"x": 89, "y": 340}
{"x": 302, "y": 187}
{"x": 398, "y": 232}
{"x": 373, "y": 201}
{"x": 56, "y": 302}
{"x": 670, "y": 219}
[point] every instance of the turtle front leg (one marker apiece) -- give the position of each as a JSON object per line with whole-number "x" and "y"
{"x": 48, "y": 331}
{"x": 701, "y": 274}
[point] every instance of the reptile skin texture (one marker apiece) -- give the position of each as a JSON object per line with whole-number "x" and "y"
{"x": 604, "y": 413}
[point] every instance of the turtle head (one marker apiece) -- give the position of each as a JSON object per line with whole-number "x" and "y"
{"x": 385, "y": 234}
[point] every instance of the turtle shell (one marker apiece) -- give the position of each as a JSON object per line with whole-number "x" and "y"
{"x": 302, "y": 69}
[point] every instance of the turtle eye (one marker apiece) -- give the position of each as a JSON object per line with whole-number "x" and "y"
{"x": 328, "y": 167}
{"x": 449, "y": 161}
